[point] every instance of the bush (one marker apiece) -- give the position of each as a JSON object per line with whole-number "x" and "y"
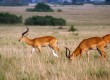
{"x": 41, "y": 7}
{"x": 59, "y": 10}
{"x": 46, "y": 20}
{"x": 72, "y": 28}
{"x": 6, "y": 18}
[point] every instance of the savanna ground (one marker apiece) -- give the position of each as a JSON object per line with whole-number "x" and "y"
{"x": 15, "y": 60}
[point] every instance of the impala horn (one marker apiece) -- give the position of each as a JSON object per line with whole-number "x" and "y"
{"x": 25, "y": 31}
{"x": 67, "y": 53}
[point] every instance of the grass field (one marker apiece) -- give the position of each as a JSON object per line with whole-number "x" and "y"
{"x": 15, "y": 60}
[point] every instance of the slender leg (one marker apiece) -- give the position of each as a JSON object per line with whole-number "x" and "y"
{"x": 39, "y": 48}
{"x": 102, "y": 52}
{"x": 54, "y": 46}
{"x": 55, "y": 54}
{"x": 33, "y": 49}
{"x": 87, "y": 53}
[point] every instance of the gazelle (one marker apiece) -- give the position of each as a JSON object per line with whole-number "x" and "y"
{"x": 86, "y": 45}
{"x": 41, "y": 42}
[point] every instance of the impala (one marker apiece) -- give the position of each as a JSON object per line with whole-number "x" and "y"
{"x": 86, "y": 45}
{"x": 40, "y": 42}
{"x": 106, "y": 38}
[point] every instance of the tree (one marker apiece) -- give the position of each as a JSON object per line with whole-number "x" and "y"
{"x": 108, "y": 1}
{"x": 42, "y": 7}
{"x": 74, "y": 1}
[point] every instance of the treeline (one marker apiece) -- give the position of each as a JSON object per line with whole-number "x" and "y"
{"x": 6, "y": 18}
{"x": 13, "y": 2}
{"x": 46, "y": 20}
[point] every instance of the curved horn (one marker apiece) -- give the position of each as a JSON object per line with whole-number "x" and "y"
{"x": 25, "y": 31}
{"x": 67, "y": 54}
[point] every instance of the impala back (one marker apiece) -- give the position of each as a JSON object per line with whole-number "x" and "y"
{"x": 44, "y": 41}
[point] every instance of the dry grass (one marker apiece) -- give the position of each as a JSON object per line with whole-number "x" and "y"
{"x": 78, "y": 15}
{"x": 17, "y": 64}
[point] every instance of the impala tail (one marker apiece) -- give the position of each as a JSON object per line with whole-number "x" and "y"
{"x": 67, "y": 53}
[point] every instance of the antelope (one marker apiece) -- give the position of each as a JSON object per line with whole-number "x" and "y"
{"x": 86, "y": 45}
{"x": 106, "y": 38}
{"x": 40, "y": 42}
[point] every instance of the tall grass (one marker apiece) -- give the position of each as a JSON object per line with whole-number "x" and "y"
{"x": 16, "y": 62}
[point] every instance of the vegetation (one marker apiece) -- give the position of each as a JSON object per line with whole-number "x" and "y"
{"x": 41, "y": 7}
{"x": 6, "y": 18}
{"x": 17, "y": 64}
{"x": 72, "y": 28}
{"x": 59, "y": 10}
{"x": 46, "y": 20}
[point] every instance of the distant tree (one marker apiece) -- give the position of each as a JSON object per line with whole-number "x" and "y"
{"x": 78, "y": 2}
{"x": 74, "y": 1}
{"x": 66, "y": 3}
{"x": 108, "y": 1}
{"x": 13, "y": 2}
{"x": 42, "y": 7}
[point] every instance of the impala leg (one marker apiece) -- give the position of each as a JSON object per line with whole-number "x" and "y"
{"x": 33, "y": 49}
{"x": 53, "y": 50}
{"x": 102, "y": 52}
{"x": 87, "y": 53}
{"x": 56, "y": 48}
{"x": 39, "y": 49}
{"x": 54, "y": 53}
{"x": 53, "y": 44}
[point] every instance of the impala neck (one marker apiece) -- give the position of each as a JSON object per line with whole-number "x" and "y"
{"x": 29, "y": 41}
{"x": 76, "y": 52}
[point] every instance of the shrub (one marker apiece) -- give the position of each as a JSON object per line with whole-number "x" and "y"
{"x": 59, "y": 10}
{"x": 6, "y": 18}
{"x": 41, "y": 7}
{"x": 72, "y": 28}
{"x": 46, "y": 20}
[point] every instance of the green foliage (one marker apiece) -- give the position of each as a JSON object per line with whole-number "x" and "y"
{"x": 6, "y": 18}
{"x": 72, "y": 28}
{"x": 46, "y": 20}
{"x": 41, "y": 7}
